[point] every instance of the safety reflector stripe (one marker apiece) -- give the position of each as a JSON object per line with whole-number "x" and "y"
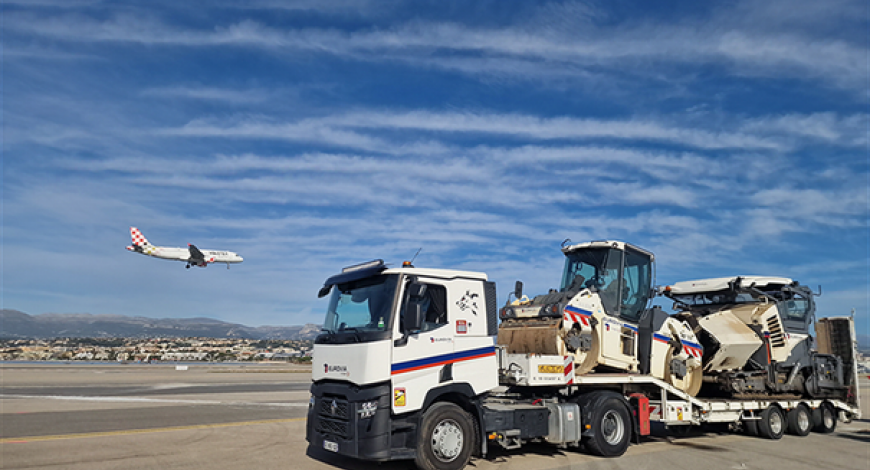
{"x": 577, "y": 315}
{"x": 441, "y": 360}
{"x": 569, "y": 369}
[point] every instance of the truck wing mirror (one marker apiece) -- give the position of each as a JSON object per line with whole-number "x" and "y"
{"x": 414, "y": 308}
{"x": 518, "y": 290}
{"x": 323, "y": 291}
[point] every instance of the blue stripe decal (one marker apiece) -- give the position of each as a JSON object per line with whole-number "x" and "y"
{"x": 632, "y": 328}
{"x": 685, "y": 343}
{"x": 444, "y": 358}
{"x": 580, "y": 311}
{"x": 661, "y": 337}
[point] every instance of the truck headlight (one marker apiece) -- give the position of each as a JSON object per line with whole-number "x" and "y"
{"x": 367, "y": 409}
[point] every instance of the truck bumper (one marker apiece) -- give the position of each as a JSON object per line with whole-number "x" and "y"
{"x": 336, "y": 422}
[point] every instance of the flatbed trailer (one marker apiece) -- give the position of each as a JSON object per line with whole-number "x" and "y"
{"x": 601, "y": 399}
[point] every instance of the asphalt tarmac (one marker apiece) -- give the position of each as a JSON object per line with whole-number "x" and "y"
{"x": 215, "y": 417}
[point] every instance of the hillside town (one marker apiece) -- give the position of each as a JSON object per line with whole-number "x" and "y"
{"x": 154, "y": 350}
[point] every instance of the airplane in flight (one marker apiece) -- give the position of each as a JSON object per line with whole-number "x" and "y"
{"x": 192, "y": 255}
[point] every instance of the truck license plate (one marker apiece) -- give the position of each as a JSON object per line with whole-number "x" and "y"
{"x": 330, "y": 446}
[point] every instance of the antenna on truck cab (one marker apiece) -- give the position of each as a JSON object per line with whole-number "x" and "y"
{"x": 415, "y": 254}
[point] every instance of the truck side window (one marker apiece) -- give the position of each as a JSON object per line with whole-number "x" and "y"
{"x": 436, "y": 307}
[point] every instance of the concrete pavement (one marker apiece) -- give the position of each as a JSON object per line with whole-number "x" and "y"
{"x": 237, "y": 417}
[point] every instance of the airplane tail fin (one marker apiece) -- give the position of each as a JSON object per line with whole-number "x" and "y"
{"x": 140, "y": 243}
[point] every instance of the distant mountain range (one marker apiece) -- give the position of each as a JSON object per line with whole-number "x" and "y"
{"x": 15, "y": 324}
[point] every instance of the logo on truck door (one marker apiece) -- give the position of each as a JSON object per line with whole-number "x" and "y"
{"x": 468, "y": 302}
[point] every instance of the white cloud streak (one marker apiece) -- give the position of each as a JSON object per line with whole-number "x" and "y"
{"x": 750, "y": 52}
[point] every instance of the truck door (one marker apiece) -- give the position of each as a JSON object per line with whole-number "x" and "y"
{"x": 634, "y": 283}
{"x": 420, "y": 357}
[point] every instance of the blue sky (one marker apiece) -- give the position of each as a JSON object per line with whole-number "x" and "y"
{"x": 727, "y": 137}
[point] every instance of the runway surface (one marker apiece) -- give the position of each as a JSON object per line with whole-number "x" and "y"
{"x": 59, "y": 416}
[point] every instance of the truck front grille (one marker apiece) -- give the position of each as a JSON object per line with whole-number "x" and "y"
{"x": 333, "y": 416}
{"x": 334, "y": 407}
{"x": 333, "y": 426}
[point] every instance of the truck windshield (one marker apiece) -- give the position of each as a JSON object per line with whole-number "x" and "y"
{"x": 362, "y": 306}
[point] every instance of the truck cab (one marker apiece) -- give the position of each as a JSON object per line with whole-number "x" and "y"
{"x": 395, "y": 340}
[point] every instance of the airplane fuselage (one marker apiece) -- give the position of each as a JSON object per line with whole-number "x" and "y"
{"x": 183, "y": 254}
{"x": 191, "y": 255}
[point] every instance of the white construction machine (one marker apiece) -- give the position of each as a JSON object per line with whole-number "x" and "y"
{"x": 756, "y": 333}
{"x": 600, "y": 315}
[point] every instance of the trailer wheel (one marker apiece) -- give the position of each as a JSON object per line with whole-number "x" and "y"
{"x": 750, "y": 426}
{"x": 446, "y": 438}
{"x": 772, "y": 424}
{"x": 611, "y": 428}
{"x": 825, "y": 418}
{"x": 800, "y": 420}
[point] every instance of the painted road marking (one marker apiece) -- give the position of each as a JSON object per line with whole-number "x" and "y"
{"x": 61, "y": 437}
{"x": 153, "y": 400}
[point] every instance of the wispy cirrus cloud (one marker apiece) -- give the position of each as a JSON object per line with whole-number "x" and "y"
{"x": 726, "y": 138}
{"x": 347, "y": 130}
{"x": 743, "y": 48}
{"x": 227, "y": 95}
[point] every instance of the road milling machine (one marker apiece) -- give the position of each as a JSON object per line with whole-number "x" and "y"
{"x": 756, "y": 337}
{"x": 601, "y": 316}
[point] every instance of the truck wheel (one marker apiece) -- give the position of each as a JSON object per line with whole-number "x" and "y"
{"x": 446, "y": 438}
{"x": 800, "y": 421}
{"x": 750, "y": 426}
{"x": 611, "y": 428}
{"x": 772, "y": 423}
{"x": 825, "y": 418}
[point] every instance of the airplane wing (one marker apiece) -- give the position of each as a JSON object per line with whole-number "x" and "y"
{"x": 197, "y": 257}
{"x": 195, "y": 254}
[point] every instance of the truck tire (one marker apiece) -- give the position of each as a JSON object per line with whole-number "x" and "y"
{"x": 446, "y": 438}
{"x": 750, "y": 426}
{"x": 825, "y": 418}
{"x": 800, "y": 420}
{"x": 772, "y": 423}
{"x": 611, "y": 428}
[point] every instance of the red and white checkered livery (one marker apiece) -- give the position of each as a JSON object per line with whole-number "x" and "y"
{"x": 138, "y": 238}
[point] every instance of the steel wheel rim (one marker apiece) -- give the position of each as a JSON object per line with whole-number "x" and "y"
{"x": 803, "y": 420}
{"x": 775, "y": 422}
{"x": 612, "y": 427}
{"x": 828, "y": 417}
{"x": 447, "y": 440}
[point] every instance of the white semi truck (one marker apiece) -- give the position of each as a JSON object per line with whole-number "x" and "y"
{"x": 407, "y": 367}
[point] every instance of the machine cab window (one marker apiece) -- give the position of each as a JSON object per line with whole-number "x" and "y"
{"x": 622, "y": 278}
{"x": 796, "y": 312}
